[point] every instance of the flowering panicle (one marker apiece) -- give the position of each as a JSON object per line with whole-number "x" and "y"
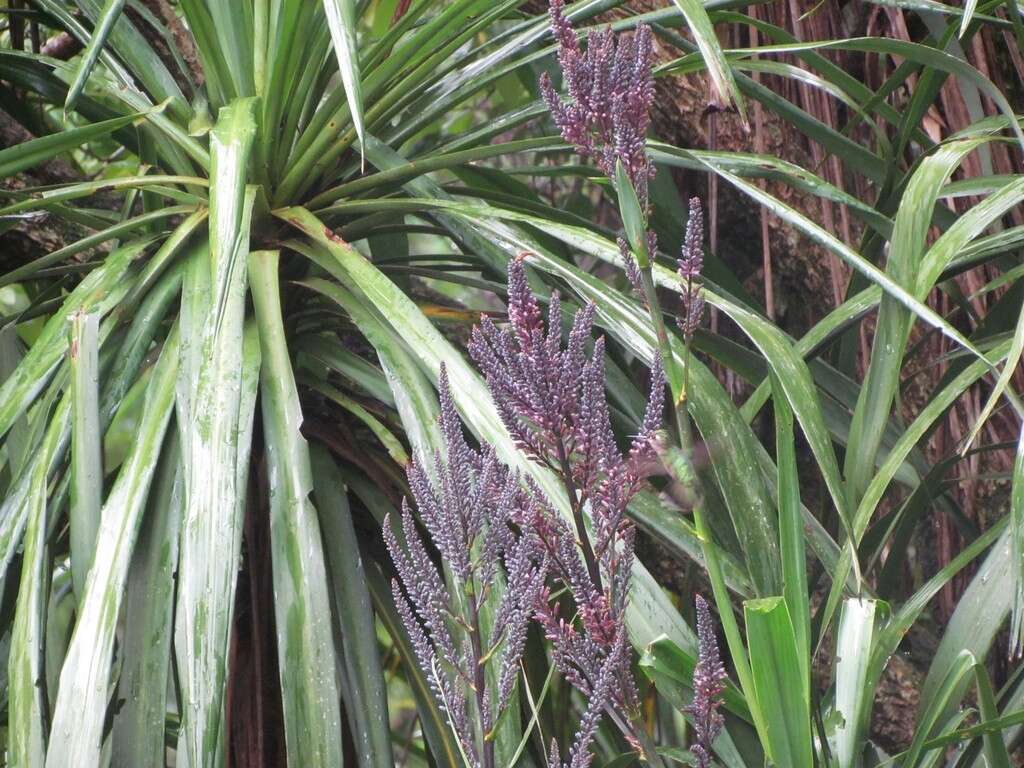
{"x": 599, "y": 697}
{"x": 691, "y": 263}
{"x": 610, "y": 90}
{"x": 552, "y": 400}
{"x": 472, "y": 509}
{"x": 708, "y": 684}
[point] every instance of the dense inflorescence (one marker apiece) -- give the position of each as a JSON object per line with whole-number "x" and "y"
{"x": 551, "y": 397}
{"x": 691, "y": 264}
{"x": 610, "y": 90}
{"x": 708, "y": 684}
{"x": 473, "y": 511}
{"x": 552, "y": 400}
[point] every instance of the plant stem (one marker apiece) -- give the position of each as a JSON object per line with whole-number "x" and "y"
{"x": 576, "y": 504}
{"x": 680, "y": 409}
{"x": 635, "y": 730}
{"x": 479, "y": 679}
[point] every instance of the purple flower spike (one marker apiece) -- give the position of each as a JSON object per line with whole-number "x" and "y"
{"x": 472, "y": 508}
{"x": 708, "y": 684}
{"x": 552, "y": 399}
{"x": 610, "y": 89}
{"x": 691, "y": 264}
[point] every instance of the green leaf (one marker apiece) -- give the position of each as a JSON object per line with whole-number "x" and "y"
{"x": 224, "y": 36}
{"x": 1017, "y": 544}
{"x": 367, "y": 702}
{"x": 633, "y": 219}
{"x": 138, "y": 733}
{"x": 142, "y": 64}
{"x": 230, "y": 143}
{"x": 312, "y": 716}
{"x": 793, "y": 379}
{"x": 49, "y": 198}
{"x": 704, "y": 35}
{"x": 76, "y": 738}
{"x": 979, "y": 615}
{"x": 906, "y": 253}
{"x": 780, "y": 684}
{"x": 995, "y": 749}
{"x": 412, "y": 393}
{"x": 11, "y": 352}
{"x": 114, "y": 233}
{"x": 27, "y": 699}
{"x": 341, "y": 18}
{"x": 28, "y": 154}
{"x": 111, "y": 12}
{"x": 86, "y": 448}
{"x": 791, "y": 531}
{"x": 942, "y": 698}
{"x": 99, "y": 292}
{"x": 356, "y": 370}
{"x": 1002, "y": 383}
{"x": 388, "y": 440}
{"x": 853, "y": 697}
{"x": 215, "y": 404}
{"x": 853, "y": 259}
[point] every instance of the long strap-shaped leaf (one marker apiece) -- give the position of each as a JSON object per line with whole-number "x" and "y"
{"x": 854, "y": 694}
{"x": 367, "y": 699}
{"x": 782, "y": 690}
{"x": 136, "y": 344}
{"x": 302, "y": 606}
{"x": 224, "y": 33}
{"x": 27, "y": 704}
{"x": 907, "y": 249}
{"x": 111, "y": 12}
{"x": 114, "y": 233}
{"x": 138, "y": 735}
{"x": 341, "y": 18}
{"x": 76, "y": 738}
{"x": 1017, "y": 544}
{"x": 86, "y": 447}
{"x": 711, "y": 50}
{"x": 417, "y": 405}
{"x": 216, "y": 399}
{"x": 944, "y": 696}
{"x": 30, "y": 153}
{"x": 49, "y": 197}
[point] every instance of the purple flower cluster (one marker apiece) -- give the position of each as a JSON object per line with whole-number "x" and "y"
{"x": 552, "y": 400}
{"x": 708, "y": 684}
{"x": 691, "y": 263}
{"x": 610, "y": 91}
{"x": 472, "y": 509}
